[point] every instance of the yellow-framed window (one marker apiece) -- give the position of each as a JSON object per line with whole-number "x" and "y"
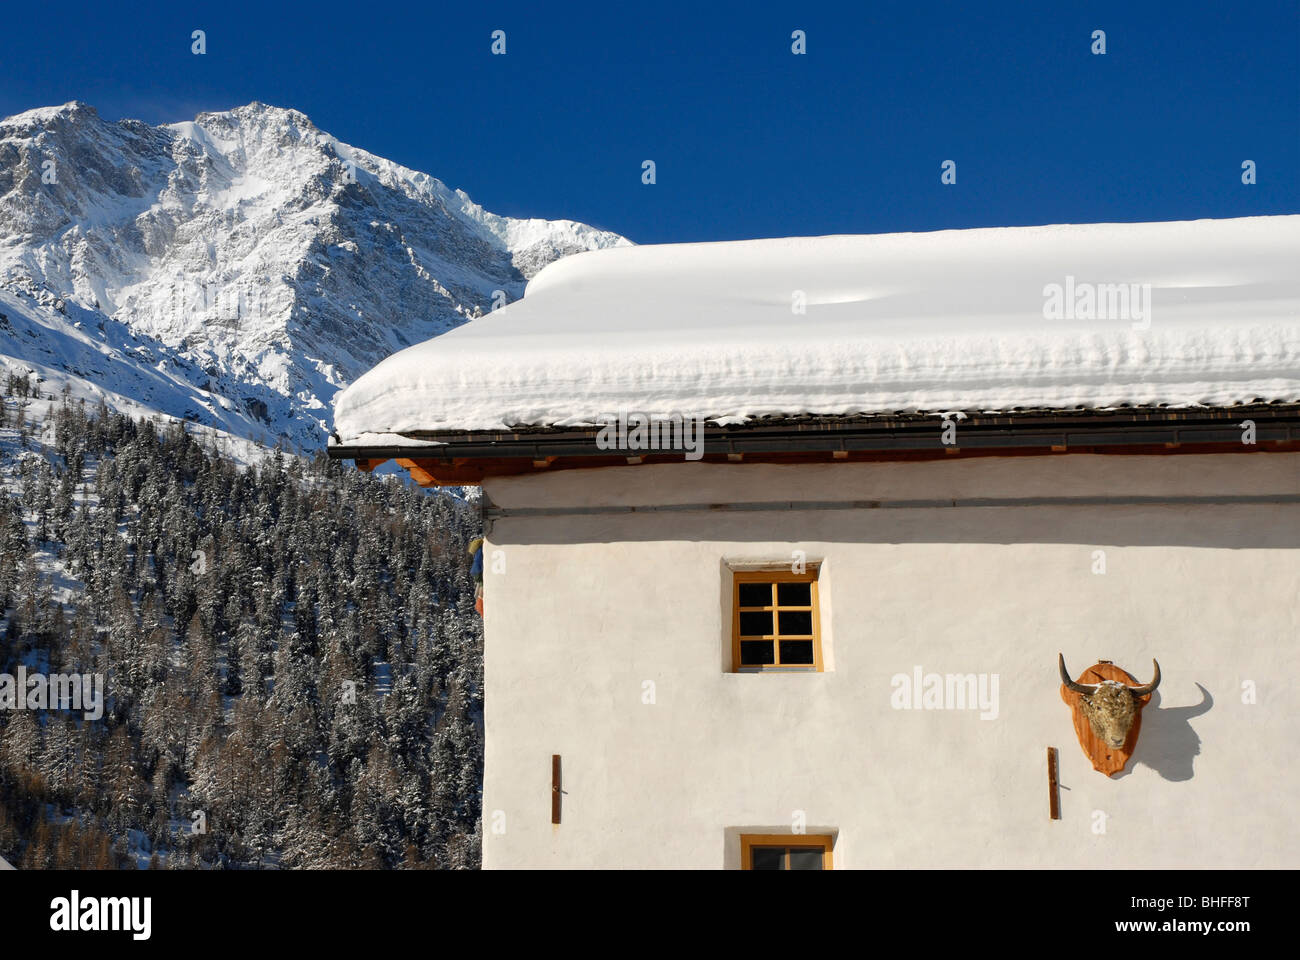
{"x": 785, "y": 851}
{"x": 776, "y": 621}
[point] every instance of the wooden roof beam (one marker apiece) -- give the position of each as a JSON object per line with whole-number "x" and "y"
{"x": 418, "y": 473}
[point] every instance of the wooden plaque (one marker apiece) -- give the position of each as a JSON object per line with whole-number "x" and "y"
{"x": 1105, "y": 758}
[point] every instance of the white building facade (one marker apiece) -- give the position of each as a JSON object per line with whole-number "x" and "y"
{"x": 608, "y": 642}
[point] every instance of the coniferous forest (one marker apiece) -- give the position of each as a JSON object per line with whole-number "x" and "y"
{"x": 292, "y": 662}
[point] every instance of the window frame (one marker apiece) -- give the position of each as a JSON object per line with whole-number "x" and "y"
{"x": 776, "y": 577}
{"x": 748, "y": 841}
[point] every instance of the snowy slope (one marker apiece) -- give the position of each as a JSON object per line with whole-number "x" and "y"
{"x": 952, "y": 320}
{"x": 65, "y": 346}
{"x": 237, "y": 270}
{"x": 97, "y": 358}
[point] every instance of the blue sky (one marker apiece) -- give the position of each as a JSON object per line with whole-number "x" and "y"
{"x": 748, "y": 139}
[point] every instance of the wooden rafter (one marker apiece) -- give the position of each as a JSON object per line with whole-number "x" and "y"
{"x": 471, "y": 471}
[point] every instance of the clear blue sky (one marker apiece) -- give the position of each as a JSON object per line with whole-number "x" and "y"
{"x": 749, "y": 140}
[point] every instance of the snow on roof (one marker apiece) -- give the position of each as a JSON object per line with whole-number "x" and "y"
{"x": 1197, "y": 313}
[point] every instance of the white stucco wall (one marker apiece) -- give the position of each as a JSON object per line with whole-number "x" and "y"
{"x": 590, "y": 606}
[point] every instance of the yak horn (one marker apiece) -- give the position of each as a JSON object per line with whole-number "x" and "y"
{"x": 1083, "y": 688}
{"x": 1146, "y": 688}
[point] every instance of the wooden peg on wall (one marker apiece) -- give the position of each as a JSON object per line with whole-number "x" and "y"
{"x": 1053, "y": 788}
{"x": 555, "y": 788}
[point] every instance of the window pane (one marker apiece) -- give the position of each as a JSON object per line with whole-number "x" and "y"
{"x": 755, "y": 652}
{"x": 756, "y": 623}
{"x": 755, "y": 594}
{"x": 796, "y": 651}
{"x": 806, "y": 858}
{"x": 767, "y": 858}
{"x": 794, "y": 594}
{"x": 795, "y": 622}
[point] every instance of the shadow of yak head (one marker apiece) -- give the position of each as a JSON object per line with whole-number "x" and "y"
{"x": 1110, "y": 706}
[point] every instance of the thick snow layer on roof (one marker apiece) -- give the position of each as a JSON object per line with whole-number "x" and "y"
{"x": 975, "y": 320}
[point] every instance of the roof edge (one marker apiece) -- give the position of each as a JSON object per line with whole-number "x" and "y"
{"x": 1274, "y": 422}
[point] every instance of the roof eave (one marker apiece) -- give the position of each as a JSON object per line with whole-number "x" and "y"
{"x": 1051, "y": 429}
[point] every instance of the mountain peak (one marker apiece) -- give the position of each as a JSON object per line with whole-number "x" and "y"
{"x": 265, "y": 263}
{"x": 256, "y": 110}
{"x": 73, "y": 109}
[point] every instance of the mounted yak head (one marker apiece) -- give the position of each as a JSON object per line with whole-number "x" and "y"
{"x": 1110, "y": 706}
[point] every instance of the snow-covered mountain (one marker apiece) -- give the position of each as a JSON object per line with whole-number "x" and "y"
{"x": 239, "y": 269}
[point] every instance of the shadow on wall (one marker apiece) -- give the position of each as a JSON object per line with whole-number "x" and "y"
{"x": 1232, "y": 526}
{"x": 1168, "y": 743}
